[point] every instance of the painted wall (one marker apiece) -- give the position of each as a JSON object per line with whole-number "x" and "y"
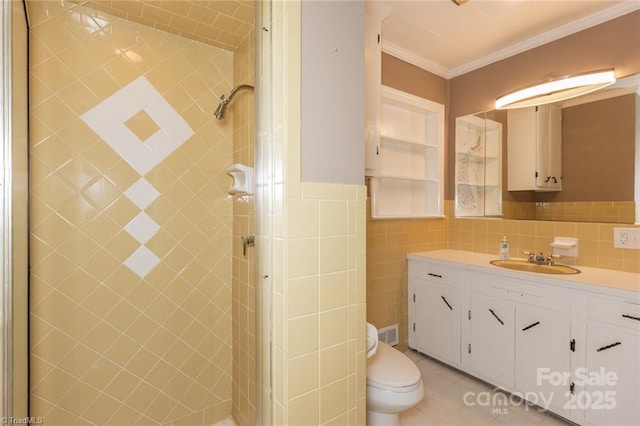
{"x": 332, "y": 92}
{"x": 412, "y": 79}
{"x": 131, "y": 223}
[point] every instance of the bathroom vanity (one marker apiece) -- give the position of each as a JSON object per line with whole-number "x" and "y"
{"x": 568, "y": 343}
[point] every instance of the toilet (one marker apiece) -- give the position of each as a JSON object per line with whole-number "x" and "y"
{"x": 393, "y": 385}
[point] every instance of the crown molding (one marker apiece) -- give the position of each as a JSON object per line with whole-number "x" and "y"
{"x": 558, "y": 33}
{"x": 414, "y": 59}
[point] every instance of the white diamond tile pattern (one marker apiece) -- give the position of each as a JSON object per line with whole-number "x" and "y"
{"x": 142, "y": 261}
{"x": 142, "y": 193}
{"x": 142, "y": 228}
{"x": 108, "y": 120}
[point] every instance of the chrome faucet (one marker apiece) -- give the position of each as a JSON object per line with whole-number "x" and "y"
{"x": 541, "y": 259}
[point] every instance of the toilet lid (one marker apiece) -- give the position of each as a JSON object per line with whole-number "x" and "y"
{"x": 391, "y": 368}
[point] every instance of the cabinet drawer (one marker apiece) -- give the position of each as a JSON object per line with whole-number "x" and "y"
{"x": 556, "y": 299}
{"x": 621, "y": 312}
{"x": 434, "y": 273}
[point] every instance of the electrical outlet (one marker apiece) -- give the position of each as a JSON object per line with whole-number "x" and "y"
{"x": 626, "y": 238}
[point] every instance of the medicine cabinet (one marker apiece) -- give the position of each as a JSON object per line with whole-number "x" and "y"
{"x": 535, "y": 149}
{"x": 478, "y": 166}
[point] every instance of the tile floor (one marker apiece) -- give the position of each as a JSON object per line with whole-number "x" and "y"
{"x": 443, "y": 403}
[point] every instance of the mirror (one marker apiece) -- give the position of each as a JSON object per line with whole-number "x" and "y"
{"x": 478, "y": 166}
{"x": 600, "y": 150}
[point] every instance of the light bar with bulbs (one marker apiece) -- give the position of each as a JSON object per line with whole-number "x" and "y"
{"x": 557, "y": 90}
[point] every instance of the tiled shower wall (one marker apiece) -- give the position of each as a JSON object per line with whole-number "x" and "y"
{"x": 131, "y": 223}
{"x": 244, "y": 300}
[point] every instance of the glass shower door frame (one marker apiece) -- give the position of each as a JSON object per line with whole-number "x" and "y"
{"x": 264, "y": 169}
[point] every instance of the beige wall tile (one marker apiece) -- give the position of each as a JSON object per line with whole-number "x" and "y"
{"x": 333, "y": 400}
{"x": 302, "y": 374}
{"x": 302, "y": 335}
{"x": 304, "y": 409}
{"x": 303, "y": 257}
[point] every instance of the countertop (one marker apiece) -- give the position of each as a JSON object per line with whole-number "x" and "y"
{"x": 596, "y": 277}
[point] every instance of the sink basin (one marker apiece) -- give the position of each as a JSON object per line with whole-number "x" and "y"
{"x": 523, "y": 265}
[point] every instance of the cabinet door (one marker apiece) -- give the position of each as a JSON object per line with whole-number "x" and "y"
{"x": 373, "y": 58}
{"x": 549, "y": 147}
{"x": 436, "y": 329}
{"x": 613, "y": 360}
{"x": 542, "y": 351}
{"x": 534, "y": 149}
{"x": 492, "y": 339}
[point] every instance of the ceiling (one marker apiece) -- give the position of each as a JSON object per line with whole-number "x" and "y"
{"x": 221, "y": 23}
{"x": 450, "y": 40}
{"x": 436, "y": 35}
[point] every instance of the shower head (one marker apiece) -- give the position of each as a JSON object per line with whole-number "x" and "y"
{"x": 221, "y": 107}
{"x": 224, "y": 100}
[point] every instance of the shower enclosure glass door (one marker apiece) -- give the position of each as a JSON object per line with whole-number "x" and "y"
{"x": 13, "y": 205}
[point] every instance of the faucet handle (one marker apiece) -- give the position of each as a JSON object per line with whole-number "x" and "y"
{"x": 551, "y": 257}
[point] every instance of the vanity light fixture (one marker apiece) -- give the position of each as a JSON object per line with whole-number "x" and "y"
{"x": 557, "y": 90}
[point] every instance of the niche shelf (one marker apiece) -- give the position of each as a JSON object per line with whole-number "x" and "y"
{"x": 408, "y": 173}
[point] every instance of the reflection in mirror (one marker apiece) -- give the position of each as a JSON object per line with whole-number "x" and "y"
{"x": 478, "y": 166}
{"x": 600, "y": 158}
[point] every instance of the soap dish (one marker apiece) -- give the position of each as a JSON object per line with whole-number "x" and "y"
{"x": 565, "y": 246}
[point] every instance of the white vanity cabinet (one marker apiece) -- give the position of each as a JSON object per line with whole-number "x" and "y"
{"x": 556, "y": 342}
{"x": 543, "y": 348}
{"x": 434, "y": 311}
{"x": 612, "y": 396}
{"x": 534, "y": 149}
{"x": 491, "y": 349}
{"x": 517, "y": 328}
